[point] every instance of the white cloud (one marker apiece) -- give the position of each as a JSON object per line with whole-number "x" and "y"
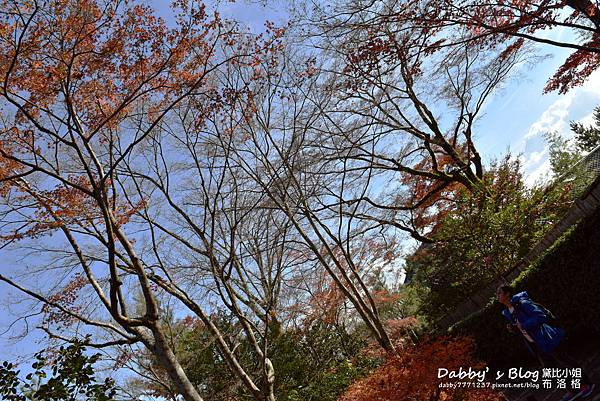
{"x": 576, "y": 105}
{"x": 554, "y": 118}
{"x": 534, "y": 158}
{"x": 540, "y": 174}
{"x": 587, "y": 120}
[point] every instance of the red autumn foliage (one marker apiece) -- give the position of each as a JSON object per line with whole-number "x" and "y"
{"x": 490, "y": 23}
{"x": 66, "y": 206}
{"x": 576, "y": 69}
{"x": 400, "y": 328}
{"x": 435, "y": 198}
{"x": 326, "y": 299}
{"x": 104, "y": 61}
{"x": 411, "y": 374}
{"x": 77, "y": 78}
{"x": 325, "y": 302}
{"x": 191, "y": 323}
{"x": 8, "y": 167}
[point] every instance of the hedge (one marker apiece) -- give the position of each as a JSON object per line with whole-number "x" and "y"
{"x": 566, "y": 279}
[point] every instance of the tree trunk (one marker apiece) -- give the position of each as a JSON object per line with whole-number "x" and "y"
{"x": 270, "y": 376}
{"x": 176, "y": 373}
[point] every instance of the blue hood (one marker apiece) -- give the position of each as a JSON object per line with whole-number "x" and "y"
{"x": 521, "y": 296}
{"x": 533, "y": 320}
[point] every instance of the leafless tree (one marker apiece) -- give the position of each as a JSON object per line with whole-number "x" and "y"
{"x": 406, "y": 107}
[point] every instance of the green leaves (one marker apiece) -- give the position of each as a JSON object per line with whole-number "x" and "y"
{"x": 486, "y": 234}
{"x": 312, "y": 363}
{"x": 71, "y": 379}
{"x": 587, "y": 138}
{"x": 565, "y": 280}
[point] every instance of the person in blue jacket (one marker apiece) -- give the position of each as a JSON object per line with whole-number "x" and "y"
{"x": 542, "y": 340}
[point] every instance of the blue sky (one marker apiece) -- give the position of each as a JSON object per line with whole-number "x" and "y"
{"x": 516, "y": 119}
{"x": 12, "y": 305}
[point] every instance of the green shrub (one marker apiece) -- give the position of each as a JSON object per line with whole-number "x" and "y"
{"x": 566, "y": 280}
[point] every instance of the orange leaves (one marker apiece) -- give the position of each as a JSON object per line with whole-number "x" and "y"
{"x": 8, "y": 166}
{"x": 412, "y": 374}
{"x": 512, "y": 48}
{"x": 325, "y": 303}
{"x": 276, "y": 31}
{"x": 399, "y": 328}
{"x": 65, "y": 206}
{"x": 191, "y": 323}
{"x": 382, "y": 297}
{"x": 124, "y": 213}
{"x": 98, "y": 72}
{"x": 110, "y": 61}
{"x": 434, "y": 200}
{"x": 369, "y": 55}
{"x": 310, "y": 68}
{"x": 66, "y": 298}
